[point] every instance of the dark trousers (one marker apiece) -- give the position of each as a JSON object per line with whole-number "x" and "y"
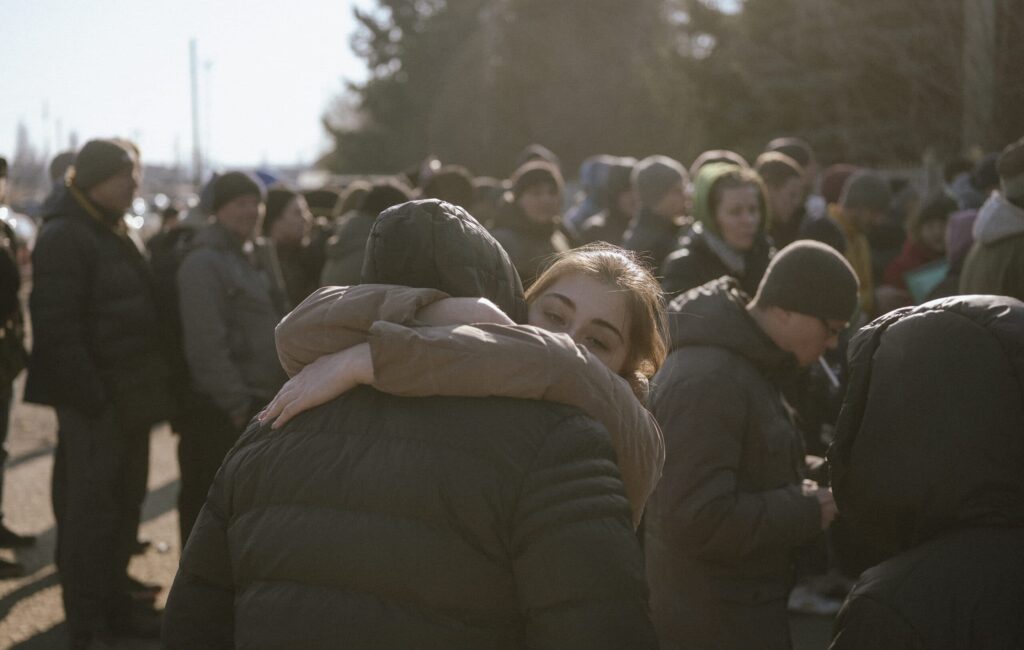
{"x": 203, "y": 442}
{"x": 99, "y": 484}
{"x": 6, "y": 395}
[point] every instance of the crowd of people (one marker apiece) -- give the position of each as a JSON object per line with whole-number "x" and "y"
{"x": 438, "y": 410}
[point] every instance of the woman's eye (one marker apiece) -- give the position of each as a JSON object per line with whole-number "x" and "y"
{"x": 596, "y": 344}
{"x": 554, "y": 318}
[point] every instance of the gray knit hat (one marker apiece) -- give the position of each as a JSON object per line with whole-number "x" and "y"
{"x": 810, "y": 278}
{"x": 866, "y": 189}
{"x": 654, "y": 176}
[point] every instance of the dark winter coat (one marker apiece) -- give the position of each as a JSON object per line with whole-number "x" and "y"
{"x": 695, "y": 263}
{"x": 96, "y": 335}
{"x": 346, "y": 249}
{"x": 231, "y": 299}
{"x": 529, "y": 245}
{"x": 651, "y": 237}
{"x": 607, "y": 225}
{"x": 729, "y": 512}
{"x": 377, "y": 521}
{"x": 926, "y": 468}
{"x": 995, "y": 264}
{"x": 825, "y": 230}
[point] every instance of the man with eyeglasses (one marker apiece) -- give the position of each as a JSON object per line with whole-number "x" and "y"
{"x": 733, "y": 504}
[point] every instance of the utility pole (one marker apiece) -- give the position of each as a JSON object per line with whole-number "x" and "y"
{"x": 197, "y": 156}
{"x": 979, "y": 71}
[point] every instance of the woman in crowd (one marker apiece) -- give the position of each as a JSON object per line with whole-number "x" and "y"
{"x": 609, "y": 225}
{"x": 925, "y": 243}
{"x": 728, "y": 236}
{"x": 409, "y": 341}
{"x": 527, "y": 226}
{"x": 288, "y": 224}
{"x": 784, "y": 185}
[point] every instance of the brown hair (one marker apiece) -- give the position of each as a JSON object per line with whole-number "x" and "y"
{"x": 730, "y": 179}
{"x": 621, "y": 270}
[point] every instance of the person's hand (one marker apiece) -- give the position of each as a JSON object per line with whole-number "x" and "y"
{"x": 320, "y": 382}
{"x": 462, "y": 311}
{"x": 826, "y": 503}
{"x": 816, "y": 467}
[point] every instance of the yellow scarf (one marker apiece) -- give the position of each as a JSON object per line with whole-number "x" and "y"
{"x": 858, "y": 254}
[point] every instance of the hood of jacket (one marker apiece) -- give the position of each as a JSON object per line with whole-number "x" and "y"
{"x": 715, "y": 315}
{"x": 436, "y": 245}
{"x": 931, "y": 434}
{"x": 706, "y": 178}
{"x": 997, "y": 220}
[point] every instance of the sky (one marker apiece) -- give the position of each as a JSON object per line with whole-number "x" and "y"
{"x": 98, "y": 68}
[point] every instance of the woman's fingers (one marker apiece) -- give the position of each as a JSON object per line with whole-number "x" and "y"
{"x": 317, "y": 383}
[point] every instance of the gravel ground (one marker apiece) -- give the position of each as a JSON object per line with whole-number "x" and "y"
{"x": 31, "y": 614}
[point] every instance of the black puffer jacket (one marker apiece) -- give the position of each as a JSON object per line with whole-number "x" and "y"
{"x": 729, "y": 512}
{"x": 694, "y": 263}
{"x": 377, "y": 521}
{"x": 926, "y": 468}
{"x": 529, "y": 245}
{"x": 651, "y": 237}
{"x": 95, "y": 327}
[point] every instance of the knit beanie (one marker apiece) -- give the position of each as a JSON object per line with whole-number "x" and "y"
{"x": 985, "y": 176}
{"x": 795, "y": 148}
{"x": 99, "y": 160}
{"x": 716, "y": 155}
{"x": 232, "y": 185}
{"x": 776, "y": 168}
{"x": 833, "y": 179}
{"x": 868, "y": 190}
{"x": 810, "y": 278}
{"x": 536, "y": 172}
{"x": 654, "y": 176}
{"x": 1011, "y": 171}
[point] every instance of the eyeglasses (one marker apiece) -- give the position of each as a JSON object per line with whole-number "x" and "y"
{"x": 833, "y": 331}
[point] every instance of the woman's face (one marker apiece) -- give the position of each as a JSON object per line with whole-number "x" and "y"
{"x": 540, "y": 203}
{"x": 294, "y": 224}
{"x": 739, "y": 216}
{"x": 786, "y": 198}
{"x": 592, "y": 313}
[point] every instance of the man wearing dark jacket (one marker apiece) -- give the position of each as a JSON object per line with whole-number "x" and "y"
{"x": 231, "y": 297}
{"x": 97, "y": 359}
{"x": 732, "y": 505}
{"x": 926, "y": 467}
{"x": 995, "y": 264}
{"x": 12, "y": 360}
{"x": 379, "y": 521}
{"x": 660, "y": 186}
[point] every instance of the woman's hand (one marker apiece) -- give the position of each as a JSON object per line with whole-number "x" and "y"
{"x": 320, "y": 382}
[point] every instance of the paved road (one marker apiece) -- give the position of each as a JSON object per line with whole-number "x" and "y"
{"x": 31, "y": 615}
